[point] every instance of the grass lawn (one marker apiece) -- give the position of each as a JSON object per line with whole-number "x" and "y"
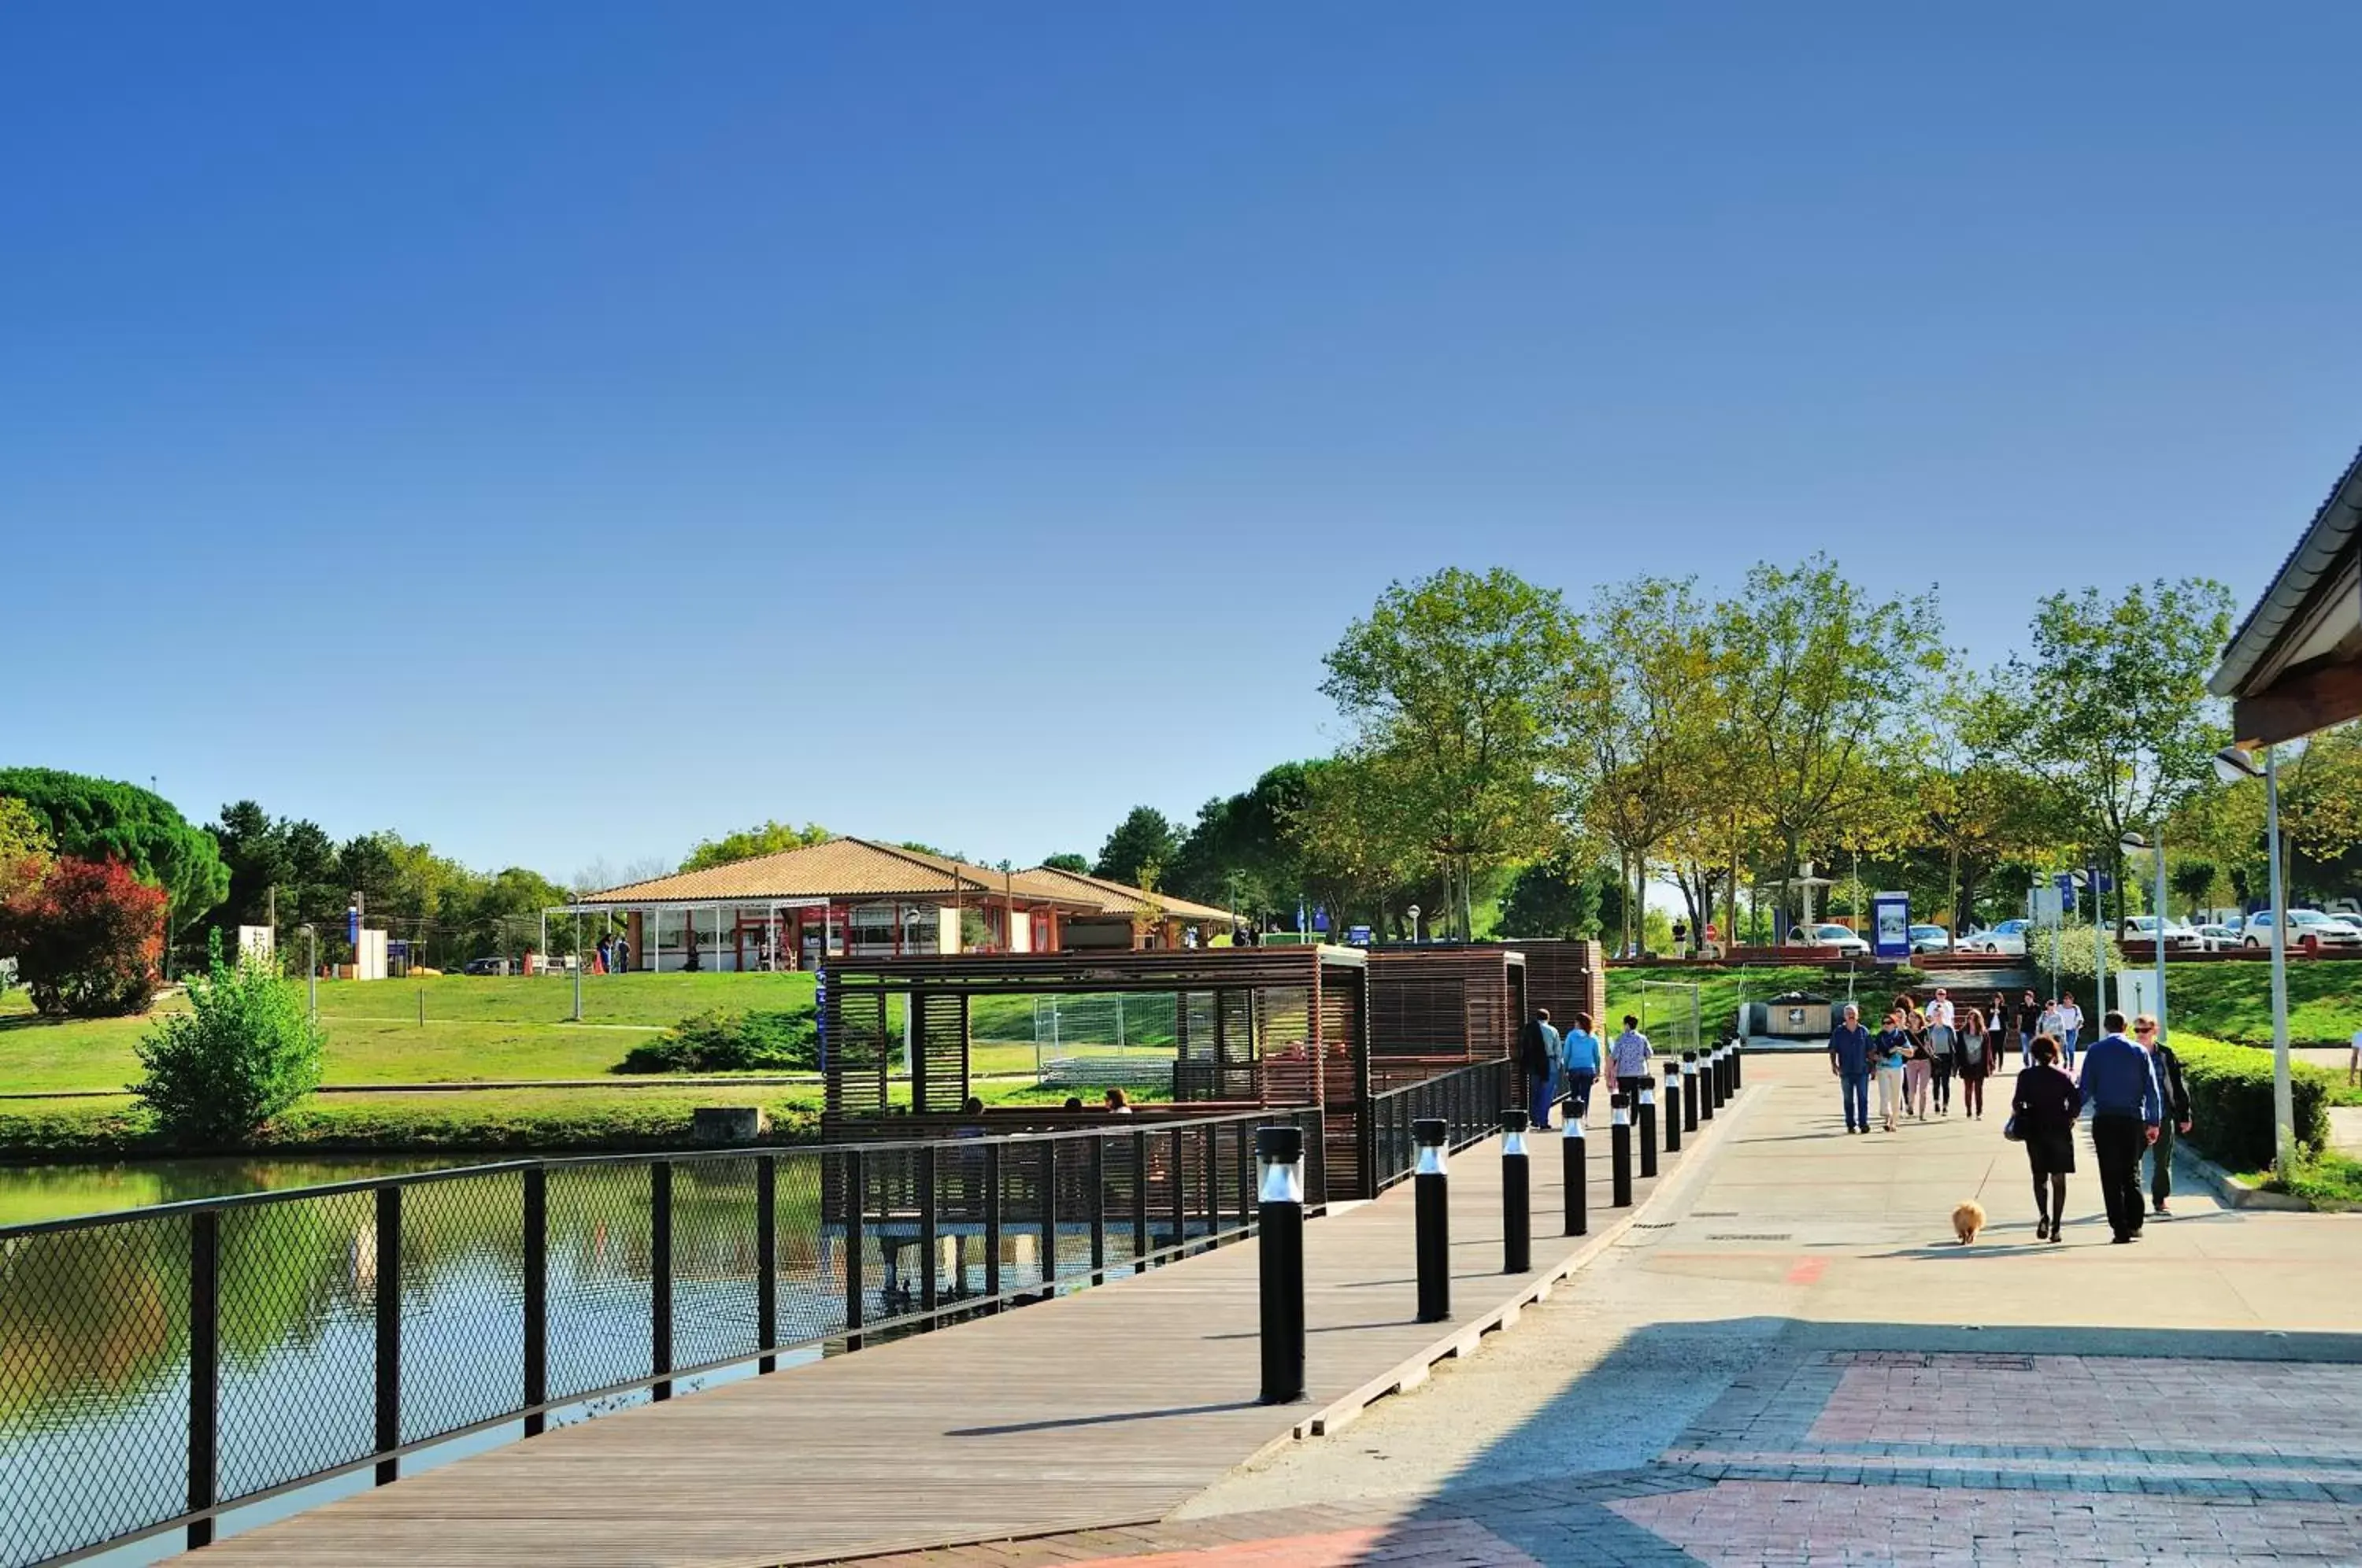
{"x": 2233, "y": 1001}
{"x": 1720, "y": 991}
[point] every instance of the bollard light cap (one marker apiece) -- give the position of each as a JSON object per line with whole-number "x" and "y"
{"x": 1279, "y": 1145}
{"x": 1512, "y": 1119}
{"x": 1431, "y": 1131}
{"x": 1689, "y": 1055}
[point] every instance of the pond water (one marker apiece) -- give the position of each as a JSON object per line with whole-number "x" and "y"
{"x": 55, "y": 1192}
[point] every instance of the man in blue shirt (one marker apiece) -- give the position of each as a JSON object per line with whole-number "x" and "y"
{"x": 2120, "y": 1086}
{"x": 1579, "y": 1054}
{"x": 1850, "y": 1060}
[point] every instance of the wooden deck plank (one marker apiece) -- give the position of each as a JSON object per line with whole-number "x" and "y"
{"x": 1109, "y": 1407}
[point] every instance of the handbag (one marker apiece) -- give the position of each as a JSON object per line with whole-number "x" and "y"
{"x": 2009, "y": 1131}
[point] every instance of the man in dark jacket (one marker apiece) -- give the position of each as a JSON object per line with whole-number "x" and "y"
{"x": 1850, "y": 1060}
{"x": 1538, "y": 1045}
{"x": 2175, "y": 1096}
{"x": 2120, "y": 1086}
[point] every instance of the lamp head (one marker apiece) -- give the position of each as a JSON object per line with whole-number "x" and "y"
{"x": 2132, "y": 840}
{"x": 2234, "y": 763}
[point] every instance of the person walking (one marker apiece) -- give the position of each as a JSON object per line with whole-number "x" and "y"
{"x": 2053, "y": 1023}
{"x": 623, "y": 954}
{"x": 1538, "y": 1047}
{"x": 2042, "y": 1115}
{"x": 606, "y": 952}
{"x": 1976, "y": 1062}
{"x": 2174, "y": 1095}
{"x": 2071, "y": 1021}
{"x": 1943, "y": 1046}
{"x": 2354, "y": 1060}
{"x": 1631, "y": 1055}
{"x": 2126, "y": 1111}
{"x": 1918, "y": 1066}
{"x": 1889, "y": 1052}
{"x": 1850, "y": 1064}
{"x": 1579, "y": 1054}
{"x": 2029, "y": 1024}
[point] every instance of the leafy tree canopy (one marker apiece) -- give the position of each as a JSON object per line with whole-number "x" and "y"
{"x": 1139, "y": 850}
{"x": 102, "y": 818}
{"x": 770, "y": 838}
{"x": 1068, "y": 861}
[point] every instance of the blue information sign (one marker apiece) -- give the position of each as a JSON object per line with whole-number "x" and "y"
{"x": 1357, "y": 936}
{"x": 1891, "y": 925}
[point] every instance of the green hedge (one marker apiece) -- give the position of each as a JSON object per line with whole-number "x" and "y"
{"x": 717, "y": 1042}
{"x": 2231, "y": 1101}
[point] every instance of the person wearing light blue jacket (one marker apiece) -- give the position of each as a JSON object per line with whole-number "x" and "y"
{"x": 1579, "y": 1058}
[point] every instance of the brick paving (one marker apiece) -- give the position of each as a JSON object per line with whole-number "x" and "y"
{"x": 1872, "y": 1457}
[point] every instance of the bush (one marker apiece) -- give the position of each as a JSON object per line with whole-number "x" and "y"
{"x": 2231, "y": 1101}
{"x": 2074, "y": 953}
{"x": 243, "y": 1053}
{"x": 86, "y": 936}
{"x": 716, "y": 1041}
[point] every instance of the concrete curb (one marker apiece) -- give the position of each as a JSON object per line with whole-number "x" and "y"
{"x": 1464, "y": 1337}
{"x": 2234, "y": 1192}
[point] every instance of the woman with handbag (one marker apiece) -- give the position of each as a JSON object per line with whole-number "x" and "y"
{"x": 1919, "y": 1065}
{"x": 2043, "y": 1116}
{"x": 1889, "y": 1050}
{"x": 1975, "y": 1062}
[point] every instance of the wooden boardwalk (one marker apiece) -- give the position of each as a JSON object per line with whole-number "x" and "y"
{"x": 1112, "y": 1406}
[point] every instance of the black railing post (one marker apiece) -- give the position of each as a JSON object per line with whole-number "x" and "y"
{"x": 1049, "y": 1218}
{"x": 1180, "y": 1150}
{"x": 1244, "y": 1159}
{"x": 992, "y": 1224}
{"x": 537, "y": 1297}
{"x": 1140, "y": 1201}
{"x": 1213, "y": 1185}
{"x": 205, "y": 1370}
{"x": 857, "y": 1198}
{"x": 766, "y": 1265}
{"x": 1316, "y": 1162}
{"x": 660, "y": 1275}
{"x": 1099, "y": 1210}
{"x": 389, "y": 1332}
{"x": 930, "y": 1236}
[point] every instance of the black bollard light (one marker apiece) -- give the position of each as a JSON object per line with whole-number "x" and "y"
{"x": 1689, "y": 1091}
{"x": 1705, "y": 1085}
{"x": 1673, "y": 1106}
{"x": 1517, "y": 1195}
{"x": 1722, "y": 1056}
{"x": 1575, "y": 1171}
{"x": 1433, "y": 1198}
{"x": 1279, "y": 1218}
{"x": 1738, "y": 1055}
{"x": 1620, "y": 1151}
{"x": 1644, "y": 1130}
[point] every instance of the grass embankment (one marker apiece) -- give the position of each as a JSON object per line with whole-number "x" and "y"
{"x": 2233, "y": 1001}
{"x": 1721, "y": 990}
{"x": 2231, "y": 1113}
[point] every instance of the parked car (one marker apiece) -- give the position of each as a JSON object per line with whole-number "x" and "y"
{"x": 2309, "y": 931}
{"x": 487, "y": 966}
{"x": 2009, "y": 937}
{"x": 2218, "y": 938}
{"x": 2178, "y": 938}
{"x": 1930, "y": 939}
{"x": 1838, "y": 936}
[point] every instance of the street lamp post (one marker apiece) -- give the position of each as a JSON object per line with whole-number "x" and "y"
{"x": 2130, "y": 842}
{"x": 2233, "y": 764}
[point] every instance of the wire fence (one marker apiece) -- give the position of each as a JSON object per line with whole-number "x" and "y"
{"x": 1672, "y": 1014}
{"x": 162, "y": 1365}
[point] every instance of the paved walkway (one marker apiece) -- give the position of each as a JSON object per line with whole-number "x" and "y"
{"x": 1111, "y": 1404}
{"x": 1792, "y": 1362}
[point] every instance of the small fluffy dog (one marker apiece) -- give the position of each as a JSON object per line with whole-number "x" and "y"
{"x": 1968, "y": 1220}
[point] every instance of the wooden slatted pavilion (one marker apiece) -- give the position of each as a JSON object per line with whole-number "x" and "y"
{"x": 1282, "y": 1026}
{"x": 1436, "y": 1007}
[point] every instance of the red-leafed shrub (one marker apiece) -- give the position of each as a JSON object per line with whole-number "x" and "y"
{"x": 86, "y": 938}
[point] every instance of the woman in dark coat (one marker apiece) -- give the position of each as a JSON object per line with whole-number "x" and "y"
{"x": 2044, "y": 1112}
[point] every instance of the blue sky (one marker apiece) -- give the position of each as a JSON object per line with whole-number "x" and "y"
{"x": 564, "y": 432}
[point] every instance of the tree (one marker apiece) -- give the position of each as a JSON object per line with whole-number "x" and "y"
{"x": 1140, "y": 846}
{"x": 2193, "y": 880}
{"x": 27, "y": 851}
{"x": 770, "y": 838}
{"x": 1246, "y": 845}
{"x": 1974, "y": 808}
{"x": 1646, "y": 722}
{"x": 1456, "y": 686}
{"x": 86, "y": 937}
{"x": 1552, "y": 898}
{"x": 1816, "y": 675}
{"x": 99, "y": 819}
{"x": 1068, "y": 861}
{"x": 245, "y": 1051}
{"x": 2118, "y": 711}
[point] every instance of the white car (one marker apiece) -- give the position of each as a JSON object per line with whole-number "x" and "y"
{"x": 1930, "y": 939}
{"x": 2218, "y": 938}
{"x": 2178, "y": 938}
{"x": 2309, "y": 931}
{"x": 2008, "y": 937}
{"x": 1838, "y": 936}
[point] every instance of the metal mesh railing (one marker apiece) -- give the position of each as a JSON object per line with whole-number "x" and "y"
{"x": 160, "y": 1365}
{"x": 1469, "y": 1099}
